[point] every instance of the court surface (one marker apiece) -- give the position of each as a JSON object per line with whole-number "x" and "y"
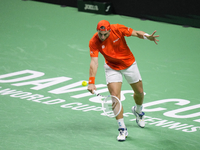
{"x": 44, "y": 57}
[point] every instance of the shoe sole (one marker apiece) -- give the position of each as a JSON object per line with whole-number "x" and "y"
{"x": 122, "y": 140}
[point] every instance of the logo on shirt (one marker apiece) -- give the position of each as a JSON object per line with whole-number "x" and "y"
{"x": 103, "y": 46}
{"x": 115, "y": 40}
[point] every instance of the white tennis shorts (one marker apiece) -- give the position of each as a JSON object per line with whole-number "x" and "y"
{"x": 131, "y": 74}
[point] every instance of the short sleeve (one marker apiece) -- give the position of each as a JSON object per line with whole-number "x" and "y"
{"x": 126, "y": 31}
{"x": 94, "y": 52}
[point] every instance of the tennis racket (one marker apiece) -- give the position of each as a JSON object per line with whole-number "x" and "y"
{"x": 111, "y": 105}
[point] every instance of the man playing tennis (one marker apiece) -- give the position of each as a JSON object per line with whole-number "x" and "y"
{"x": 110, "y": 42}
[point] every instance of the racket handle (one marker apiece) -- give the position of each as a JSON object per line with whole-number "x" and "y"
{"x": 95, "y": 92}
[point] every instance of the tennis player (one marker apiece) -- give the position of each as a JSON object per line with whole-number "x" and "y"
{"x": 119, "y": 61}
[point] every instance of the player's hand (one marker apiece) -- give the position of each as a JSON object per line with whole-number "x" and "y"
{"x": 153, "y": 37}
{"x": 91, "y": 88}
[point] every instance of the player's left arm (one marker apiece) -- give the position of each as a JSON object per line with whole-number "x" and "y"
{"x": 143, "y": 35}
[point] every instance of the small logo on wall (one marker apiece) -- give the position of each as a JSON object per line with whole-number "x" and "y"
{"x": 91, "y": 7}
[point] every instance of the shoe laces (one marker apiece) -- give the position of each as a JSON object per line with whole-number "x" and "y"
{"x": 121, "y": 132}
{"x": 141, "y": 115}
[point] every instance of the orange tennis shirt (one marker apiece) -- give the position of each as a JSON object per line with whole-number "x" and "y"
{"x": 114, "y": 49}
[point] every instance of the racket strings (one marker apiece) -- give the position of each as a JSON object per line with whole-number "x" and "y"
{"x": 112, "y": 106}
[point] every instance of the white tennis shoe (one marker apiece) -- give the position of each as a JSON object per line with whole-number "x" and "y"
{"x": 139, "y": 118}
{"x": 123, "y": 133}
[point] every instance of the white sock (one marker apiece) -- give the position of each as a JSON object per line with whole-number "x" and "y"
{"x": 121, "y": 123}
{"x": 138, "y": 108}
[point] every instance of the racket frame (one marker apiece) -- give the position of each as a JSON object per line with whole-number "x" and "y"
{"x": 103, "y": 102}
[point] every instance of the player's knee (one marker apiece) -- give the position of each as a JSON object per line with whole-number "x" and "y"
{"x": 139, "y": 94}
{"x": 115, "y": 94}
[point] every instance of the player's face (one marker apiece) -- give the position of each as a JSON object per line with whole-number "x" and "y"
{"x": 103, "y": 35}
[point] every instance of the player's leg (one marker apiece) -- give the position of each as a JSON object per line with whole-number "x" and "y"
{"x": 133, "y": 77}
{"x": 138, "y": 93}
{"x": 138, "y": 97}
{"x": 115, "y": 90}
{"x": 114, "y": 83}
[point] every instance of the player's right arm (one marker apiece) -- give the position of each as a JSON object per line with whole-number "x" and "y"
{"x": 92, "y": 72}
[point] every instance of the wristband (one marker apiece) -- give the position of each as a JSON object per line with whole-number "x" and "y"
{"x": 91, "y": 80}
{"x": 145, "y": 36}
